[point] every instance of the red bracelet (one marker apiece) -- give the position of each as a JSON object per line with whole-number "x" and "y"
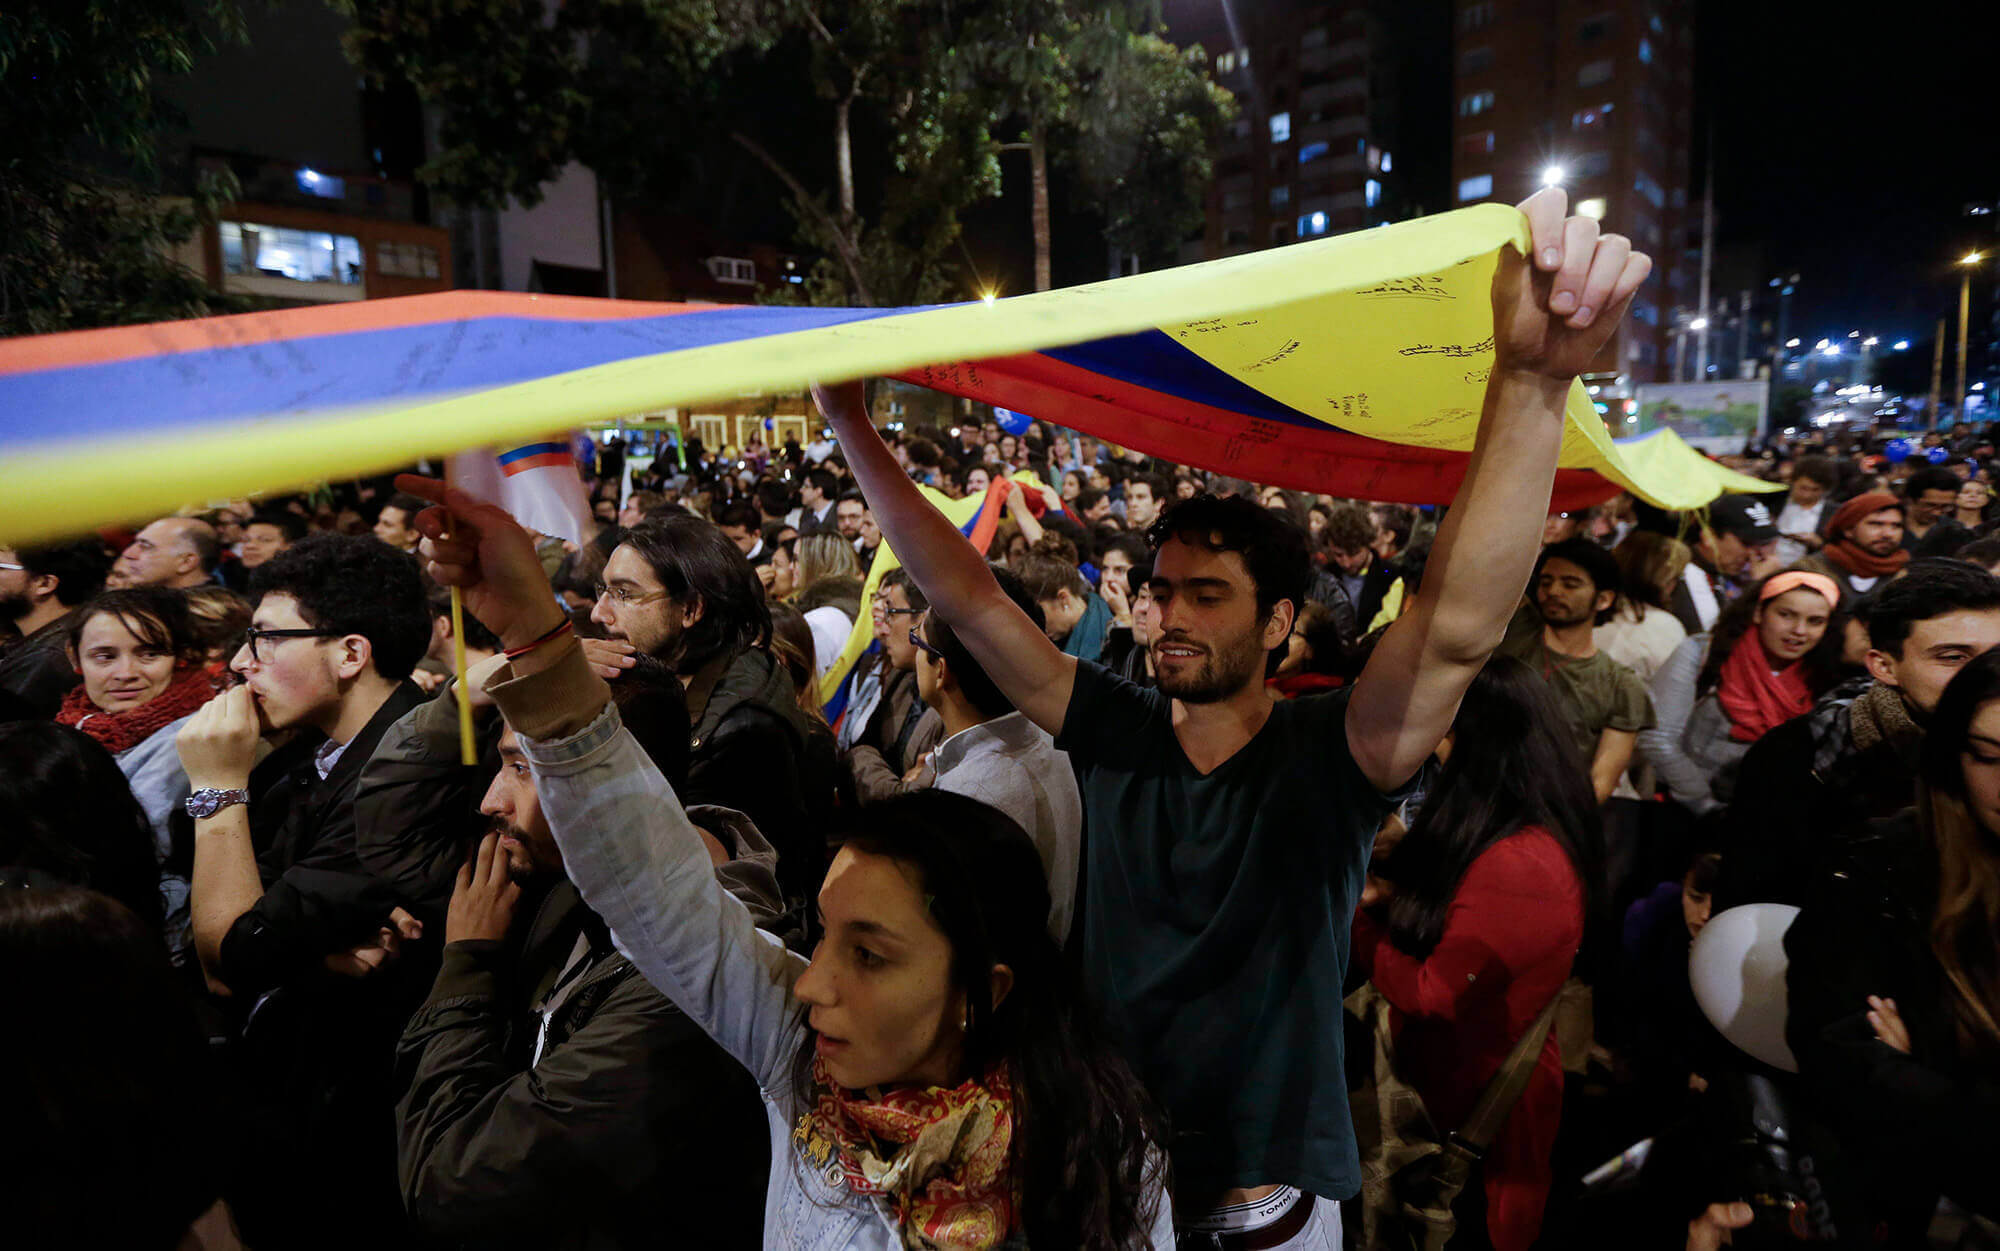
{"x": 525, "y": 648}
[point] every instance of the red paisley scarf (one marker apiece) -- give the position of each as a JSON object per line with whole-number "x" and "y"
{"x": 119, "y": 731}
{"x": 947, "y": 1173}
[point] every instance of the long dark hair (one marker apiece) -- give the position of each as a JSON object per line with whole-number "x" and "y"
{"x": 1967, "y": 913}
{"x": 1822, "y": 663}
{"x": 113, "y": 1137}
{"x": 694, "y": 561}
{"x": 1511, "y": 766}
{"x": 67, "y": 811}
{"x": 1085, "y": 1149}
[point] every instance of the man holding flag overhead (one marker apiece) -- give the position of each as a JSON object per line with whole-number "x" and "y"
{"x": 1218, "y": 878}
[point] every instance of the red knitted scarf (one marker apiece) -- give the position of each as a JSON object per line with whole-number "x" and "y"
{"x": 118, "y": 731}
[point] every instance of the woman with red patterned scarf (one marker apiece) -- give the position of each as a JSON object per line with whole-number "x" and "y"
{"x": 142, "y": 676}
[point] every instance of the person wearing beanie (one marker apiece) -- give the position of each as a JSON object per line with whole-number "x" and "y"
{"x": 1864, "y": 545}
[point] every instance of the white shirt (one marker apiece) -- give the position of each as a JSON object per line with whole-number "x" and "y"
{"x": 1795, "y": 520}
{"x": 327, "y": 756}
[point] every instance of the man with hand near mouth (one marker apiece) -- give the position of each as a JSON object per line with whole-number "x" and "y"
{"x": 340, "y": 622}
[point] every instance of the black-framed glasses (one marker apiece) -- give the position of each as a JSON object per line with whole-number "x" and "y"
{"x": 922, "y": 646}
{"x": 902, "y": 612}
{"x": 252, "y": 637}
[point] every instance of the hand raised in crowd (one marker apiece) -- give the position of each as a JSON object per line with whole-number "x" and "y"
{"x": 482, "y": 550}
{"x": 611, "y": 657}
{"x": 483, "y": 899}
{"x": 1553, "y": 312}
{"x": 218, "y": 745}
{"x": 367, "y": 958}
{"x": 1111, "y": 590}
{"x": 1888, "y": 1024}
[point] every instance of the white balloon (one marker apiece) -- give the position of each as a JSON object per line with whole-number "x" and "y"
{"x": 1737, "y": 968}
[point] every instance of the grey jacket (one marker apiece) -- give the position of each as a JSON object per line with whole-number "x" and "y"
{"x": 1690, "y": 748}
{"x": 636, "y": 858}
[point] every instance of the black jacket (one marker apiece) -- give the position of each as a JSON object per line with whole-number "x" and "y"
{"x": 37, "y": 671}
{"x": 747, "y": 751}
{"x": 634, "y": 1129}
{"x": 1909, "y": 1127}
{"x": 1798, "y": 787}
{"x": 318, "y": 896}
{"x": 416, "y": 807}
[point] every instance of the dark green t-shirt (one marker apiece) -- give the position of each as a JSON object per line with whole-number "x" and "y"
{"x": 1594, "y": 693}
{"x": 1218, "y": 910}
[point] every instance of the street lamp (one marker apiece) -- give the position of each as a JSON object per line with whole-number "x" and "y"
{"x": 1553, "y": 176}
{"x": 1967, "y": 263}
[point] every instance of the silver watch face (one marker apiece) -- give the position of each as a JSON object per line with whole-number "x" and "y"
{"x": 206, "y": 803}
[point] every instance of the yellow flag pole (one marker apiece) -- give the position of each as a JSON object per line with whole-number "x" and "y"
{"x": 468, "y": 751}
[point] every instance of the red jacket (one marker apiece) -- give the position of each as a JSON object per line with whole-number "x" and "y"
{"x": 1510, "y": 934}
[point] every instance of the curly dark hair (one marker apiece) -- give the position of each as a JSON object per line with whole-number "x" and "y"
{"x": 1273, "y": 549}
{"x": 1086, "y": 1142}
{"x": 358, "y": 585}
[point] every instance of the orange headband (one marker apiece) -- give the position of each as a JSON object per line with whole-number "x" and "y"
{"x": 1791, "y": 580}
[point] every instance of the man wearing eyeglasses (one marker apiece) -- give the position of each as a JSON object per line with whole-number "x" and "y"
{"x": 340, "y": 622}
{"x": 676, "y": 589}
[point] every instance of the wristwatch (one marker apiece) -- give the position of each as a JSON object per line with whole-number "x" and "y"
{"x": 208, "y": 801}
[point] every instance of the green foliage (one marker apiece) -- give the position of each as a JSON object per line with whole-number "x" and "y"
{"x": 81, "y": 246}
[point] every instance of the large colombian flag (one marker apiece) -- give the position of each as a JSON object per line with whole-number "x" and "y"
{"x": 1353, "y": 365}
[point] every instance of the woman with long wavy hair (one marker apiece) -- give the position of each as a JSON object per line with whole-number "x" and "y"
{"x": 1471, "y": 924}
{"x": 1894, "y": 983}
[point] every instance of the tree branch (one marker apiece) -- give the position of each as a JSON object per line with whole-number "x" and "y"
{"x": 843, "y": 242}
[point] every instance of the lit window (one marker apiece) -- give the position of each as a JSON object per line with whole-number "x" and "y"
{"x": 1386, "y": 166}
{"x": 1595, "y": 72}
{"x": 1591, "y": 119}
{"x": 312, "y": 182}
{"x": 1281, "y": 127}
{"x": 1659, "y": 27}
{"x": 1646, "y": 187}
{"x": 1371, "y": 191}
{"x": 1475, "y": 104}
{"x": 1225, "y": 62}
{"x": 1312, "y": 224}
{"x": 1592, "y": 208}
{"x": 1311, "y": 152}
{"x": 1374, "y": 158}
{"x": 250, "y": 250}
{"x": 733, "y": 270}
{"x": 1478, "y": 143}
{"x": 1645, "y": 52}
{"x": 1477, "y": 187}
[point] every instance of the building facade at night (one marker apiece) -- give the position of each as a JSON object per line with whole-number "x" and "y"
{"x": 1596, "y": 94}
{"x": 1313, "y": 150}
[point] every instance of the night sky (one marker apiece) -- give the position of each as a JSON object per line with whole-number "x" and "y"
{"x": 1848, "y": 142}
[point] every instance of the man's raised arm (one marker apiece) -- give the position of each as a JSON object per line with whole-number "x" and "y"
{"x": 1552, "y": 314}
{"x": 1028, "y": 668}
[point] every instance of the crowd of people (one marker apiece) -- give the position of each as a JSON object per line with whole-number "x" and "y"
{"x": 1062, "y": 932}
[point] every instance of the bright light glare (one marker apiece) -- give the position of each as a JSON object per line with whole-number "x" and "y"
{"x": 1901, "y": 345}
{"x": 1831, "y": 349}
{"x": 1592, "y": 208}
{"x": 1791, "y": 343}
{"x": 1972, "y": 258}
{"x": 987, "y": 296}
{"x": 1699, "y": 323}
{"x": 1553, "y": 176}
{"x": 1870, "y": 341}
